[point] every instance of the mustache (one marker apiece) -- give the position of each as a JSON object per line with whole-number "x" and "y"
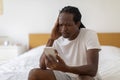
{"x": 65, "y": 32}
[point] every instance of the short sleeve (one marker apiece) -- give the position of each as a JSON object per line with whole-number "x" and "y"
{"x": 91, "y": 40}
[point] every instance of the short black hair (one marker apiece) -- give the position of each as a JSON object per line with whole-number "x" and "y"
{"x": 76, "y": 13}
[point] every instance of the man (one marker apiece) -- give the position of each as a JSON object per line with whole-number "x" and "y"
{"x": 77, "y": 48}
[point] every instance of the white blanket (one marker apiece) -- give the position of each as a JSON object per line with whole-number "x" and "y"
{"x": 19, "y": 67}
{"x": 109, "y": 63}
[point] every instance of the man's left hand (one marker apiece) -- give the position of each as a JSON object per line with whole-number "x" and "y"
{"x": 58, "y": 64}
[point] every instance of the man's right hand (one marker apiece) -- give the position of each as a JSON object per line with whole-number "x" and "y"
{"x": 55, "y": 34}
{"x": 55, "y": 31}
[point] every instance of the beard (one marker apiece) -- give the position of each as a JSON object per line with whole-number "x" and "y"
{"x": 66, "y": 35}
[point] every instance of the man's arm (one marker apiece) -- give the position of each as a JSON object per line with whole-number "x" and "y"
{"x": 54, "y": 35}
{"x": 92, "y": 64}
{"x": 90, "y": 69}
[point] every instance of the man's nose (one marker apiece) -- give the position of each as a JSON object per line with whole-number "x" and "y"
{"x": 64, "y": 28}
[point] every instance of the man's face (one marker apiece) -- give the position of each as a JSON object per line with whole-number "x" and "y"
{"x": 67, "y": 26}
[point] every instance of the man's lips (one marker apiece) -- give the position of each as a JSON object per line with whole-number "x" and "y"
{"x": 65, "y": 33}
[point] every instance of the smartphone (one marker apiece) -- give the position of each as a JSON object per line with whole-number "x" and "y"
{"x": 50, "y": 51}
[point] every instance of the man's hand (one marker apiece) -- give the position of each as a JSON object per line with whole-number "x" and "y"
{"x": 55, "y": 31}
{"x": 58, "y": 64}
{"x": 55, "y": 34}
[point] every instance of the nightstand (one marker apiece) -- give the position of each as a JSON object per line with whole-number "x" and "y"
{"x": 9, "y": 52}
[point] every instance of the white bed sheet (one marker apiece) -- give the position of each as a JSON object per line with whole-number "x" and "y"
{"x": 109, "y": 62}
{"x": 19, "y": 67}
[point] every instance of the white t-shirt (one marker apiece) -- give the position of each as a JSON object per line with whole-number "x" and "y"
{"x": 73, "y": 52}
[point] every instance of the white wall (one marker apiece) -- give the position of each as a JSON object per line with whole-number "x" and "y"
{"x": 21, "y": 17}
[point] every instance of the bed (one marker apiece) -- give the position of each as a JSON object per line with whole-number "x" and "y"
{"x": 19, "y": 67}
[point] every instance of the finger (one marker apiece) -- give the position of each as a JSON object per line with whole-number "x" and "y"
{"x": 48, "y": 58}
{"x": 53, "y": 58}
{"x": 60, "y": 60}
{"x": 48, "y": 63}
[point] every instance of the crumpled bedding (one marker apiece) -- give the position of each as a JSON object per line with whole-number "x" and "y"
{"x": 19, "y": 67}
{"x": 109, "y": 62}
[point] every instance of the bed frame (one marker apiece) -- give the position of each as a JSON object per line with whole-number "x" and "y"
{"x": 38, "y": 39}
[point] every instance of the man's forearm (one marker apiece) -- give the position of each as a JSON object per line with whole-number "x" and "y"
{"x": 85, "y": 70}
{"x": 50, "y": 42}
